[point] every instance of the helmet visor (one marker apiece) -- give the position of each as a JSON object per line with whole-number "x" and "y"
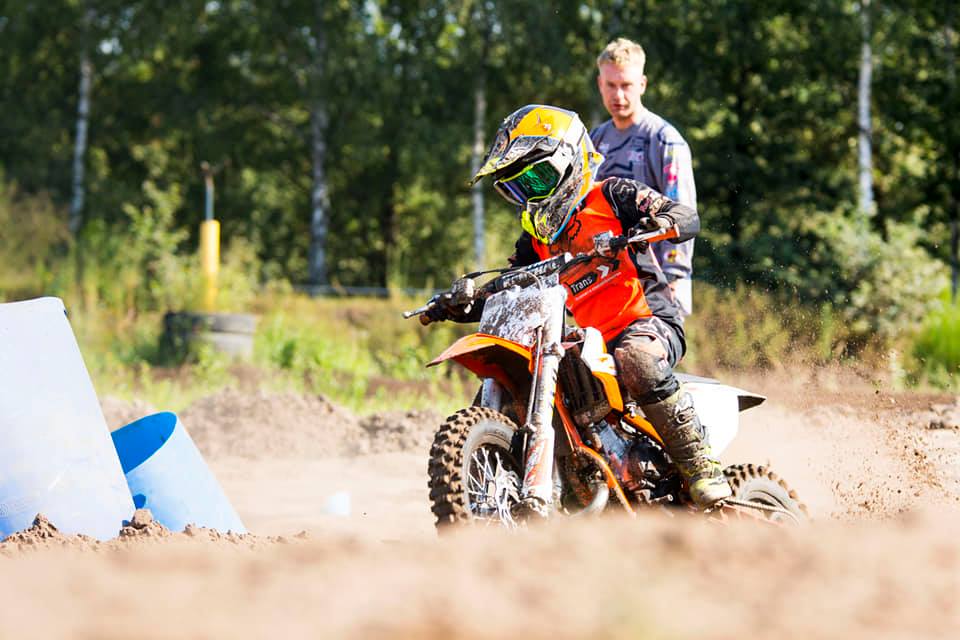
{"x": 536, "y": 182}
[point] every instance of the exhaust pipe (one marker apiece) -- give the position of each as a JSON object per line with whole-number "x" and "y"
{"x": 601, "y": 496}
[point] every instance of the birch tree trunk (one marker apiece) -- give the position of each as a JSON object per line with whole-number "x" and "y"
{"x": 484, "y": 20}
{"x": 80, "y": 143}
{"x": 953, "y": 151}
{"x": 865, "y": 140}
{"x": 479, "y": 146}
{"x": 319, "y": 121}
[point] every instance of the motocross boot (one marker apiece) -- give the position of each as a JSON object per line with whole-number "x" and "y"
{"x": 675, "y": 419}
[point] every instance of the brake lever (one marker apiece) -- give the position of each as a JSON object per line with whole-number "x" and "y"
{"x": 462, "y": 292}
{"x": 418, "y": 312}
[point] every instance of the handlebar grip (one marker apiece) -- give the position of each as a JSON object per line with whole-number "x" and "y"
{"x": 668, "y": 234}
{"x": 419, "y": 312}
{"x": 655, "y": 236}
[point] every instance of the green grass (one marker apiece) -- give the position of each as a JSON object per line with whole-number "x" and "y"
{"x": 363, "y": 355}
{"x": 747, "y": 329}
{"x": 936, "y": 349}
{"x": 359, "y": 353}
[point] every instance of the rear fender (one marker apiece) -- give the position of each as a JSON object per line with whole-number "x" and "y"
{"x": 718, "y": 407}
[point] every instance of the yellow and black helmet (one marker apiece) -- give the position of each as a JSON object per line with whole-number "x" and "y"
{"x": 542, "y": 159}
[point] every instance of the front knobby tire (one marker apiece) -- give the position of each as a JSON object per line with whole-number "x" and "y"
{"x": 757, "y": 483}
{"x": 475, "y": 468}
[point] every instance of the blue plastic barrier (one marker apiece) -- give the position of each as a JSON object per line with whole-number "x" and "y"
{"x": 56, "y": 457}
{"x": 167, "y": 474}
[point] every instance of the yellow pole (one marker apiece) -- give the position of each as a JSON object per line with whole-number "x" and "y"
{"x": 210, "y": 262}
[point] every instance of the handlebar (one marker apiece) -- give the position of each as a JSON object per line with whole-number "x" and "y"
{"x": 464, "y": 289}
{"x": 655, "y": 236}
{"x": 416, "y": 312}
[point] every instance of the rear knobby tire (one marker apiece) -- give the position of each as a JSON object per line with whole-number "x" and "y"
{"x": 757, "y": 483}
{"x": 458, "y": 438}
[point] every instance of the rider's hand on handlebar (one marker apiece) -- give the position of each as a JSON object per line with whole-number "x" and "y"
{"x": 436, "y": 313}
{"x": 442, "y": 308}
{"x": 649, "y": 224}
{"x": 652, "y": 223}
{"x": 439, "y": 308}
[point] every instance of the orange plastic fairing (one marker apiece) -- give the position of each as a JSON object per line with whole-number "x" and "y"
{"x": 641, "y": 423}
{"x": 477, "y": 342}
{"x": 509, "y": 363}
{"x": 612, "y": 388}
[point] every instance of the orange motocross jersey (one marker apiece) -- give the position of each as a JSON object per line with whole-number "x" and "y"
{"x": 605, "y": 293}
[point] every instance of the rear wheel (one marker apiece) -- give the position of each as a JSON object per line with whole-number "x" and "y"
{"x": 475, "y": 468}
{"x": 760, "y": 485}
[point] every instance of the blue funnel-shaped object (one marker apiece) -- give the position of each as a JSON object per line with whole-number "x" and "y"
{"x": 55, "y": 452}
{"x": 167, "y": 475}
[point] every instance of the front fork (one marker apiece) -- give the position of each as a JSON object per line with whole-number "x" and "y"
{"x": 537, "y": 490}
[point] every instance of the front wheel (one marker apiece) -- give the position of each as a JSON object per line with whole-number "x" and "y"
{"x": 760, "y": 485}
{"x": 475, "y": 468}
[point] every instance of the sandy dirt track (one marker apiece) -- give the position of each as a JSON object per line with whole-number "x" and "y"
{"x": 882, "y": 559}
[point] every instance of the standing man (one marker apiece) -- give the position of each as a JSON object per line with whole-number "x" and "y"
{"x": 640, "y": 145}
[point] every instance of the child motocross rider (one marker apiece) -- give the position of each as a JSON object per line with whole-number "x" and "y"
{"x": 543, "y": 161}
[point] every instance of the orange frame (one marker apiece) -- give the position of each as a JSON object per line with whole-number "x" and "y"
{"x": 478, "y": 353}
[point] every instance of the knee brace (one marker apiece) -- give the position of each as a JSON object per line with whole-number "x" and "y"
{"x": 644, "y": 370}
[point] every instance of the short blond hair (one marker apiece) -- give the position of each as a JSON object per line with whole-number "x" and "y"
{"x": 622, "y": 52}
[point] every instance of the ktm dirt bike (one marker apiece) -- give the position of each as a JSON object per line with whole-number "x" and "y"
{"x": 551, "y": 430}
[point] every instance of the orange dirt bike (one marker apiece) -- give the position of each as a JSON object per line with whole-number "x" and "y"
{"x": 551, "y": 430}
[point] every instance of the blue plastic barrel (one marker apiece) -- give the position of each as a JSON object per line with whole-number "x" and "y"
{"x": 56, "y": 457}
{"x": 167, "y": 474}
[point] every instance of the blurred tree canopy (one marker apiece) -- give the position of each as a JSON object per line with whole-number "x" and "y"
{"x": 764, "y": 92}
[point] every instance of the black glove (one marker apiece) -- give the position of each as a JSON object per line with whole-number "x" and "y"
{"x": 444, "y": 309}
{"x": 647, "y": 224}
{"x": 652, "y": 223}
{"x": 439, "y": 309}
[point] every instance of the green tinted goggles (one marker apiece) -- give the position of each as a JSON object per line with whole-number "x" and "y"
{"x": 536, "y": 182}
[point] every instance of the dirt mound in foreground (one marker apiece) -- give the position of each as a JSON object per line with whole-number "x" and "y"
{"x": 612, "y": 577}
{"x": 264, "y": 424}
{"x": 44, "y": 535}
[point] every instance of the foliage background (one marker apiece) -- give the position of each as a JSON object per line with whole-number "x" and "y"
{"x": 764, "y": 92}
